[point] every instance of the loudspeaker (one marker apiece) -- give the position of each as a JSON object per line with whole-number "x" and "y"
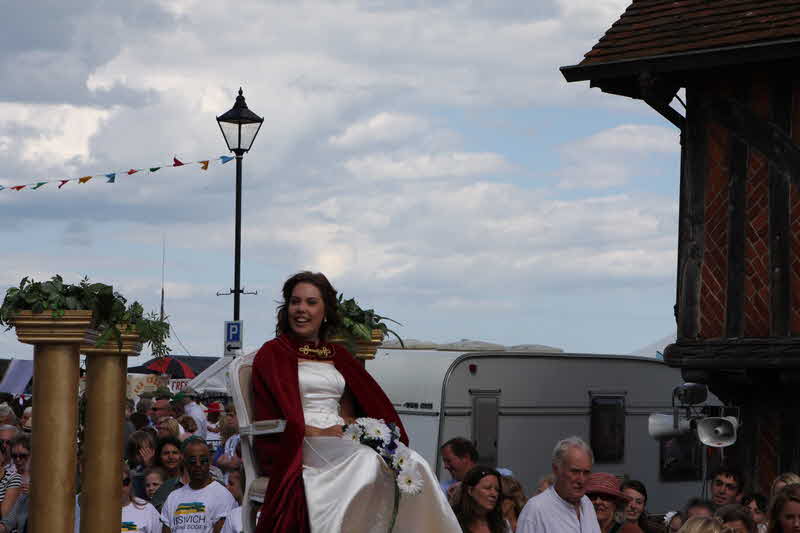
{"x": 662, "y": 426}
{"x": 717, "y": 432}
{"x": 691, "y": 393}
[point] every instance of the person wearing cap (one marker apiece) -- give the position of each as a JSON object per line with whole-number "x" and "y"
{"x": 603, "y": 491}
{"x": 563, "y": 507}
{"x": 193, "y": 409}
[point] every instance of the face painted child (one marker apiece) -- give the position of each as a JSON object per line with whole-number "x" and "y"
{"x": 152, "y": 481}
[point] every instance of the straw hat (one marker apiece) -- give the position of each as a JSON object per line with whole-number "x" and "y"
{"x": 604, "y": 483}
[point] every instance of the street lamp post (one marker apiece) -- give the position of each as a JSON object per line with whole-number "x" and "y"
{"x": 239, "y": 127}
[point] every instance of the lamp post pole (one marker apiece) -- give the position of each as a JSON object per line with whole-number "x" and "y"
{"x": 239, "y": 128}
{"x": 237, "y": 265}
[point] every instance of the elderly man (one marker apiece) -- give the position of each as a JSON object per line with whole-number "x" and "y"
{"x": 193, "y": 409}
{"x": 564, "y": 507}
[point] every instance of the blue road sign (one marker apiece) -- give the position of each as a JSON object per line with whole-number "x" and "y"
{"x": 234, "y": 332}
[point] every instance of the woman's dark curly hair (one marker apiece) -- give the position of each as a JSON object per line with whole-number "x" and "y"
{"x": 466, "y": 508}
{"x": 331, "y": 321}
{"x": 172, "y": 441}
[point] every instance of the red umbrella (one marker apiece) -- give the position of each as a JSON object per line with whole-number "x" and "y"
{"x": 165, "y": 365}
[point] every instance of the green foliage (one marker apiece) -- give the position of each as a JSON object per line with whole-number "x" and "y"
{"x": 357, "y": 323}
{"x": 110, "y": 309}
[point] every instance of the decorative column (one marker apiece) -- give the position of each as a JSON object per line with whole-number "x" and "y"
{"x": 364, "y": 350}
{"x": 106, "y": 372}
{"x": 56, "y": 344}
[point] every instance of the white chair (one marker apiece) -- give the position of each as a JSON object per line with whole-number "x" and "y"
{"x": 240, "y": 385}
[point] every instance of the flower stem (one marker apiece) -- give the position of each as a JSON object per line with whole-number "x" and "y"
{"x": 396, "y": 506}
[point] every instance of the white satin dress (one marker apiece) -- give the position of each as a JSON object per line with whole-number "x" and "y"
{"x": 349, "y": 488}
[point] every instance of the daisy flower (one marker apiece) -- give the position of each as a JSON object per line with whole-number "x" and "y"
{"x": 409, "y": 483}
{"x": 401, "y": 458}
{"x": 377, "y": 430}
{"x": 353, "y": 432}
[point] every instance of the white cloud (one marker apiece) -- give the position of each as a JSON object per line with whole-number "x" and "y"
{"x": 413, "y": 166}
{"x": 369, "y": 166}
{"x": 381, "y": 128}
{"x": 610, "y": 157}
{"x": 55, "y": 133}
{"x": 627, "y": 139}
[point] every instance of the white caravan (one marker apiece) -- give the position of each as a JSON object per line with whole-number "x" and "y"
{"x": 516, "y": 405}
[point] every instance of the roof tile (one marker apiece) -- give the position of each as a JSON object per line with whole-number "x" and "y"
{"x": 657, "y": 27}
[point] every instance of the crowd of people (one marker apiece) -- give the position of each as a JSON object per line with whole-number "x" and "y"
{"x": 575, "y": 499}
{"x": 183, "y": 470}
{"x": 178, "y": 451}
{"x": 173, "y": 445}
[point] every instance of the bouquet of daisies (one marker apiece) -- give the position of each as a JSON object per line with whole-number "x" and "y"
{"x": 384, "y": 438}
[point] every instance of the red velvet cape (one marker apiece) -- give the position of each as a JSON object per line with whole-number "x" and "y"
{"x": 276, "y": 391}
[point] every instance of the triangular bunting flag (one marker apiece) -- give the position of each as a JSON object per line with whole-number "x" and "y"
{"x": 111, "y": 177}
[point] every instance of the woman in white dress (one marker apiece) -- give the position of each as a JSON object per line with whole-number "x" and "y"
{"x": 320, "y": 482}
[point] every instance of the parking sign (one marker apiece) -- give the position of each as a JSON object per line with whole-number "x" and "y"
{"x": 234, "y": 330}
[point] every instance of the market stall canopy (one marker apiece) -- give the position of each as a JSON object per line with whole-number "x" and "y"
{"x": 177, "y": 366}
{"x": 17, "y": 376}
{"x": 213, "y": 379}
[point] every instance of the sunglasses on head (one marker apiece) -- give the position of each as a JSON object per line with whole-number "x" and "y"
{"x": 601, "y": 496}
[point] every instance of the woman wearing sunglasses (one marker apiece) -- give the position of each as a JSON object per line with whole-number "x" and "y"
{"x": 137, "y": 514}
{"x": 20, "y": 456}
{"x": 10, "y": 481}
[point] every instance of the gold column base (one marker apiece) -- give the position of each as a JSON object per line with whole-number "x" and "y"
{"x": 55, "y": 412}
{"x": 54, "y": 447}
{"x": 365, "y": 350}
{"x": 106, "y": 382}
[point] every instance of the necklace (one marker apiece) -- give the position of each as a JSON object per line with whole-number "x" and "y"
{"x": 323, "y": 353}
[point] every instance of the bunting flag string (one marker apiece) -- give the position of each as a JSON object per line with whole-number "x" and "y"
{"x": 111, "y": 177}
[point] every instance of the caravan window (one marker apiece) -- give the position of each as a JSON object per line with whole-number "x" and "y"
{"x": 607, "y": 428}
{"x": 681, "y": 458}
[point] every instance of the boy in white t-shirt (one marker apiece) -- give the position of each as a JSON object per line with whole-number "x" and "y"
{"x": 233, "y": 520}
{"x": 200, "y": 506}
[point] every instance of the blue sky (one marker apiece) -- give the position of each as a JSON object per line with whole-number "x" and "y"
{"x": 426, "y": 155}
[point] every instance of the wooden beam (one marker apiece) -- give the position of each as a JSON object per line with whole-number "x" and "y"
{"x": 734, "y": 320}
{"x": 757, "y": 353}
{"x": 683, "y": 201}
{"x": 781, "y": 110}
{"x": 694, "y": 221}
{"x": 763, "y": 135}
{"x": 668, "y": 113}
